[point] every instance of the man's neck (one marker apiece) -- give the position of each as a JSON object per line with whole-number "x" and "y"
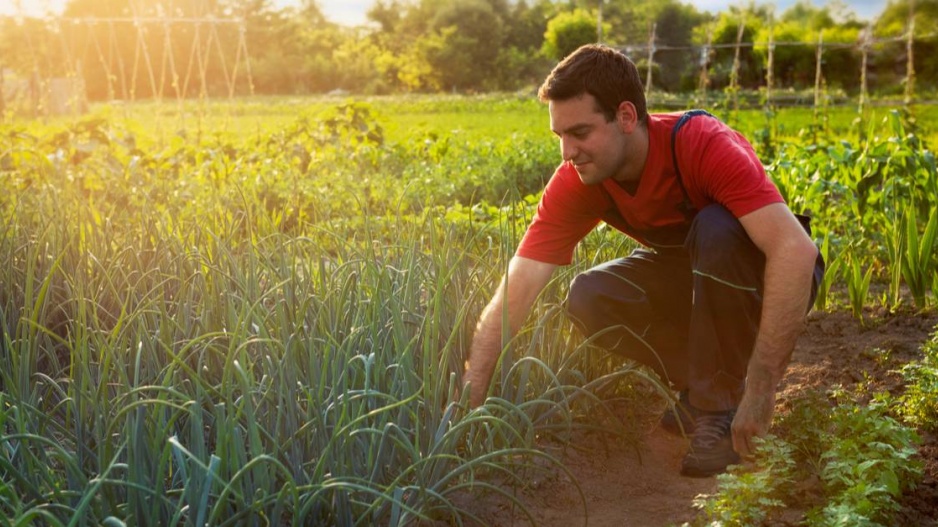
{"x": 635, "y": 164}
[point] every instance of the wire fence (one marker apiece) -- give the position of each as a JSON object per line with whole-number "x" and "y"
{"x": 179, "y": 58}
{"x": 809, "y": 73}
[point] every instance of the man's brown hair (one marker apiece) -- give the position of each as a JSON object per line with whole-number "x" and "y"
{"x": 603, "y": 72}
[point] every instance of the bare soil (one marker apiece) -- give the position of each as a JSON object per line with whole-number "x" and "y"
{"x": 623, "y": 485}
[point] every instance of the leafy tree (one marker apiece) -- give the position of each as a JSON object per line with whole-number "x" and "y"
{"x": 809, "y": 17}
{"x": 794, "y": 60}
{"x": 528, "y": 23}
{"x": 568, "y": 31}
{"x": 386, "y": 13}
{"x": 796, "y": 35}
{"x": 675, "y": 25}
{"x": 468, "y": 53}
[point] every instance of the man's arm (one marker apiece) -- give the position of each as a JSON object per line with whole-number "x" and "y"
{"x": 789, "y": 265}
{"x": 523, "y": 282}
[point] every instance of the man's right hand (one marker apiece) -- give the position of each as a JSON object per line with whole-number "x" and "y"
{"x": 522, "y": 284}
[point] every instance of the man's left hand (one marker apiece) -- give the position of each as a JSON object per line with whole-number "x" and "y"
{"x": 753, "y": 418}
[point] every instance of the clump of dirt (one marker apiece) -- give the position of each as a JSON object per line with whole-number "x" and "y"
{"x": 624, "y": 485}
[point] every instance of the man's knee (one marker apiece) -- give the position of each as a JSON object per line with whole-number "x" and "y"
{"x": 581, "y": 301}
{"x": 599, "y": 297}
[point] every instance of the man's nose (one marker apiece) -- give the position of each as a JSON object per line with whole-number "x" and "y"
{"x": 567, "y": 149}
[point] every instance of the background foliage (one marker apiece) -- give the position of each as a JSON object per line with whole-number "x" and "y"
{"x": 127, "y": 49}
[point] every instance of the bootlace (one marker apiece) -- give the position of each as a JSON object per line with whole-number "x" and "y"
{"x": 711, "y": 428}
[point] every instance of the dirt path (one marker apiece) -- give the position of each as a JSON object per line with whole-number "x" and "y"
{"x": 625, "y": 487}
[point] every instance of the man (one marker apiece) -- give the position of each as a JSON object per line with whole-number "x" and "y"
{"x": 715, "y": 302}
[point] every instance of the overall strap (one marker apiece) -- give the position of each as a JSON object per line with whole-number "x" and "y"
{"x": 686, "y": 207}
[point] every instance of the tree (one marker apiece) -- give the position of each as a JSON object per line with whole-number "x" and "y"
{"x": 528, "y": 24}
{"x": 387, "y": 14}
{"x": 726, "y": 32}
{"x": 675, "y": 25}
{"x": 471, "y": 34}
{"x": 568, "y": 31}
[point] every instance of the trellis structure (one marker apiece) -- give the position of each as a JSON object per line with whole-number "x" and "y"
{"x": 155, "y": 67}
{"x": 653, "y": 50}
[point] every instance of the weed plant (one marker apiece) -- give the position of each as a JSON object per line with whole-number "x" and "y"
{"x": 919, "y": 404}
{"x": 842, "y": 464}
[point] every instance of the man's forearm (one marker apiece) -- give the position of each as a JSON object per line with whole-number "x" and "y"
{"x": 786, "y": 294}
{"x": 790, "y": 256}
{"x": 483, "y": 354}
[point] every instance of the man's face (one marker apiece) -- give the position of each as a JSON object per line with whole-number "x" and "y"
{"x": 598, "y": 149}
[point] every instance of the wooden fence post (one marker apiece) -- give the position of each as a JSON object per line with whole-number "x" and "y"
{"x": 865, "y": 42}
{"x": 651, "y": 59}
{"x": 734, "y": 75}
{"x": 770, "y": 66}
{"x": 599, "y": 23}
{"x": 910, "y": 62}
{"x": 704, "y": 80}
{"x": 818, "y": 100}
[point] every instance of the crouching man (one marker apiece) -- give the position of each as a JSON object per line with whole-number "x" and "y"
{"x": 715, "y": 299}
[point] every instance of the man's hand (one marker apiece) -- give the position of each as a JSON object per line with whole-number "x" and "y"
{"x": 753, "y": 418}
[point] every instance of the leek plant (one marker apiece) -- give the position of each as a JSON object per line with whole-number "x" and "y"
{"x": 199, "y": 359}
{"x": 214, "y": 381}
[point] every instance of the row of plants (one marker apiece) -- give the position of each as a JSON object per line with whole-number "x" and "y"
{"x": 849, "y": 461}
{"x": 271, "y": 329}
{"x": 166, "y": 372}
{"x": 876, "y": 212}
{"x": 180, "y": 352}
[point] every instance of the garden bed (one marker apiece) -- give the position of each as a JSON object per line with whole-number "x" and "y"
{"x": 623, "y": 485}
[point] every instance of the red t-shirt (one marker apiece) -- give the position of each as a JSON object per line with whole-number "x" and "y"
{"x": 718, "y": 165}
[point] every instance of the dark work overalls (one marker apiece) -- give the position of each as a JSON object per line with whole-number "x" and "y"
{"x": 690, "y": 307}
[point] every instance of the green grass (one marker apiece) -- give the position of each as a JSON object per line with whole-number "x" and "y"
{"x": 494, "y": 116}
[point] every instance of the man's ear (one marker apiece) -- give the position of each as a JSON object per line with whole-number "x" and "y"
{"x": 627, "y": 116}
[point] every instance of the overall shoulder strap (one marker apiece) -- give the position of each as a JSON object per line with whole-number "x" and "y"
{"x": 686, "y": 207}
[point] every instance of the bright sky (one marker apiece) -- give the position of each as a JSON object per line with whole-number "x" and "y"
{"x": 352, "y": 12}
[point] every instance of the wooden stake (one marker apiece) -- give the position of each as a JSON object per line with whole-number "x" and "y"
{"x": 651, "y": 59}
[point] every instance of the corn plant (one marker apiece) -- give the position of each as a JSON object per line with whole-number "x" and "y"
{"x": 831, "y": 275}
{"x": 919, "y": 261}
{"x": 858, "y": 286}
